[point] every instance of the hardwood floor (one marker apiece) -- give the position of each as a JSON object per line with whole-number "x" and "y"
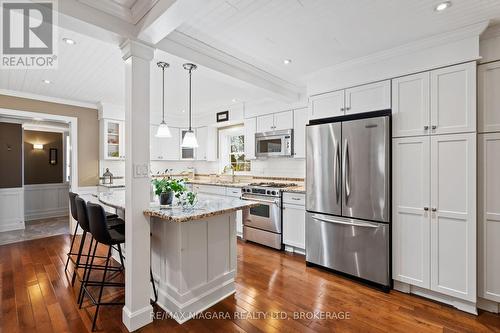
{"x": 36, "y": 296}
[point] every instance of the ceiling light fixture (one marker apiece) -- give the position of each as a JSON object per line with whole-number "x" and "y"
{"x": 287, "y": 61}
{"x": 47, "y": 81}
{"x": 189, "y": 140}
{"x": 234, "y": 100}
{"x": 163, "y": 130}
{"x": 37, "y": 146}
{"x": 442, "y": 6}
{"x": 69, "y": 41}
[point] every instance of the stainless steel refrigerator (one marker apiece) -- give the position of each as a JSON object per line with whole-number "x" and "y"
{"x": 348, "y": 214}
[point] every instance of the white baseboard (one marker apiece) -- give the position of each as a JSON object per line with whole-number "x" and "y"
{"x": 135, "y": 320}
{"x": 46, "y": 214}
{"x": 12, "y": 226}
{"x": 487, "y": 305}
{"x": 460, "y": 304}
{"x": 294, "y": 249}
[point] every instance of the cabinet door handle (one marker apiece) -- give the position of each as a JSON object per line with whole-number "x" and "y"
{"x": 426, "y": 208}
{"x": 348, "y": 108}
{"x": 342, "y": 109}
{"x": 434, "y": 209}
{"x": 426, "y": 127}
{"x": 297, "y": 199}
{"x": 434, "y": 127}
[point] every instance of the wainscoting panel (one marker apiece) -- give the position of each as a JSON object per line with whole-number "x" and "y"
{"x": 45, "y": 201}
{"x": 11, "y": 209}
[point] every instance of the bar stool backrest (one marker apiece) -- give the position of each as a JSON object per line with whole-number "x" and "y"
{"x": 83, "y": 217}
{"x": 98, "y": 224}
{"x": 72, "y": 205}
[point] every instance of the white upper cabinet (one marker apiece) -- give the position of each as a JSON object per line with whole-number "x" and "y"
{"x": 265, "y": 123}
{"x": 411, "y": 212}
{"x": 170, "y": 146}
{"x": 453, "y": 99}
{"x": 489, "y": 216}
{"x": 369, "y": 97}
{"x": 327, "y": 105}
{"x": 212, "y": 144}
{"x": 453, "y": 215}
{"x": 283, "y": 120}
{"x": 250, "y": 129}
{"x": 411, "y": 105}
{"x": 275, "y": 121}
{"x": 299, "y": 133}
{"x": 201, "y": 136}
{"x": 489, "y": 97}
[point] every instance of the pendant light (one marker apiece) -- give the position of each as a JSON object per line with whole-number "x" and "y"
{"x": 189, "y": 140}
{"x": 163, "y": 130}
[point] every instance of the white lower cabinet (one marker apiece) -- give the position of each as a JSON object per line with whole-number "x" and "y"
{"x": 294, "y": 216}
{"x": 434, "y": 213}
{"x": 489, "y": 216}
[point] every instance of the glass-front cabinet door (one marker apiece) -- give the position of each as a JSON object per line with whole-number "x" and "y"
{"x": 114, "y": 140}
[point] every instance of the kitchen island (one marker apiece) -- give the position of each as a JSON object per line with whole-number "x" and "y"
{"x": 193, "y": 251}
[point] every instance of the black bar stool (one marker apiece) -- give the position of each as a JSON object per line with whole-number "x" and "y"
{"x": 74, "y": 214}
{"x": 105, "y": 236}
{"x": 83, "y": 218}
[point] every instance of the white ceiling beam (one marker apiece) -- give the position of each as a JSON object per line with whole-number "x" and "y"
{"x": 186, "y": 47}
{"x": 166, "y": 16}
{"x": 81, "y": 18}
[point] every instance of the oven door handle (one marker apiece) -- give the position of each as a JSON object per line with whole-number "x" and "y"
{"x": 261, "y": 200}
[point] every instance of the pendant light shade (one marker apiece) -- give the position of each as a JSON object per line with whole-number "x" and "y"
{"x": 163, "y": 131}
{"x": 189, "y": 140}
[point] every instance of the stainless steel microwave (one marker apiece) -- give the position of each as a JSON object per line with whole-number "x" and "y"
{"x": 274, "y": 144}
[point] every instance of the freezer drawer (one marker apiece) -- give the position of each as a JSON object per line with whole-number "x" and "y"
{"x": 351, "y": 246}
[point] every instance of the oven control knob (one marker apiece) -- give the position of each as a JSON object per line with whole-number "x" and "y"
{"x": 268, "y": 192}
{"x": 274, "y": 193}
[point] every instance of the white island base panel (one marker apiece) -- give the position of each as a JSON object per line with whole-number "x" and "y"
{"x": 193, "y": 263}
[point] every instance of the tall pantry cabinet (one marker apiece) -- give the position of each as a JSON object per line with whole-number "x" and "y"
{"x": 489, "y": 186}
{"x": 434, "y": 184}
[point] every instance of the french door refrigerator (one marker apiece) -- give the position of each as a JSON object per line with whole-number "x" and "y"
{"x": 348, "y": 214}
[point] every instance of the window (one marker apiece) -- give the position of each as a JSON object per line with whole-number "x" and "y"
{"x": 232, "y": 149}
{"x": 237, "y": 153}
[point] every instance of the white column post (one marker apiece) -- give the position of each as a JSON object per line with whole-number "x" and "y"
{"x": 137, "y": 310}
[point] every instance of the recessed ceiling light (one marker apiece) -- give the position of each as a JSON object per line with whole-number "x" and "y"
{"x": 234, "y": 100}
{"x": 287, "y": 61}
{"x": 183, "y": 111}
{"x": 69, "y": 41}
{"x": 442, "y": 6}
{"x": 47, "y": 81}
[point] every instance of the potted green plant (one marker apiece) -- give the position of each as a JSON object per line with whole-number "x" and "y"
{"x": 166, "y": 188}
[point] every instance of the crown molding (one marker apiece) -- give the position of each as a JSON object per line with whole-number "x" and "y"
{"x": 473, "y": 30}
{"x": 50, "y": 99}
{"x": 491, "y": 32}
{"x": 131, "y": 15}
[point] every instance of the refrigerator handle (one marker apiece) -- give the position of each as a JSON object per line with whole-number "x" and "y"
{"x": 336, "y": 171}
{"x": 346, "y": 170}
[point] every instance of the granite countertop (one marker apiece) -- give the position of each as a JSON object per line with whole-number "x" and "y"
{"x": 208, "y": 205}
{"x": 294, "y": 189}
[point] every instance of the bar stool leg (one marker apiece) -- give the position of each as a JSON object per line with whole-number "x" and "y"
{"x": 102, "y": 288}
{"x": 77, "y": 264}
{"x": 86, "y": 278}
{"x": 86, "y": 267}
{"x": 121, "y": 256}
{"x": 71, "y": 247}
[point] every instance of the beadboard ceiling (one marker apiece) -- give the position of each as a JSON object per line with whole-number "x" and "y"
{"x": 92, "y": 71}
{"x": 316, "y": 34}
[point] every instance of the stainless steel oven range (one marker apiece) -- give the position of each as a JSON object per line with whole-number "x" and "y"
{"x": 263, "y": 223}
